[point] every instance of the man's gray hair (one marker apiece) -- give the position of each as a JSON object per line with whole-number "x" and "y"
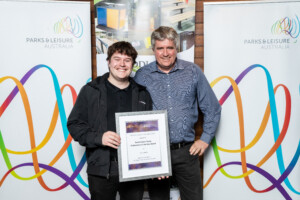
{"x": 165, "y": 32}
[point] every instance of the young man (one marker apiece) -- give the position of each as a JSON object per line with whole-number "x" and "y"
{"x": 92, "y": 123}
{"x": 181, "y": 88}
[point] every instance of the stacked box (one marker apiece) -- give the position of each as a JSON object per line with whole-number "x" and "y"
{"x": 114, "y": 18}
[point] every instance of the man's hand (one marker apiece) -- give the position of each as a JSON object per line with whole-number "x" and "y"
{"x": 198, "y": 147}
{"x": 111, "y": 139}
{"x": 162, "y": 177}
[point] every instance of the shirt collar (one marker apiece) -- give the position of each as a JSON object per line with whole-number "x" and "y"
{"x": 115, "y": 89}
{"x": 177, "y": 66}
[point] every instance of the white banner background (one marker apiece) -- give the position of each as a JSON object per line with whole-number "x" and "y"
{"x": 44, "y": 40}
{"x": 245, "y": 41}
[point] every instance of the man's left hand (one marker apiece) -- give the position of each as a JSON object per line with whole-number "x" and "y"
{"x": 198, "y": 147}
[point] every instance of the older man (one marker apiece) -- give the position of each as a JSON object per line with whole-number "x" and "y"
{"x": 181, "y": 88}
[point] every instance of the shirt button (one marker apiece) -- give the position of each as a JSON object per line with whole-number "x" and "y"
{"x": 168, "y": 85}
{"x": 169, "y": 97}
{"x": 171, "y": 108}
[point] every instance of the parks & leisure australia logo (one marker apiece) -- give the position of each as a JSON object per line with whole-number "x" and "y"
{"x": 68, "y": 31}
{"x": 284, "y": 33}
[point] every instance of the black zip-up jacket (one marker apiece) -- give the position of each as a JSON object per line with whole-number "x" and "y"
{"x": 88, "y": 121}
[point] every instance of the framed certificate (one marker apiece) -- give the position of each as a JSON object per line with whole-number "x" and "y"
{"x": 145, "y": 149}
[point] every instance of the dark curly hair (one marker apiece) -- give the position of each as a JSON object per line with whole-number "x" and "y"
{"x": 122, "y": 47}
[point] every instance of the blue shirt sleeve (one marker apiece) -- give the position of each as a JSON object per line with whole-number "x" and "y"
{"x": 209, "y": 106}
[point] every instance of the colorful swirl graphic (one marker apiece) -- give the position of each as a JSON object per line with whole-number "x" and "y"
{"x": 279, "y": 136}
{"x": 287, "y": 26}
{"x": 70, "y": 26}
{"x": 247, "y": 168}
{"x": 58, "y": 111}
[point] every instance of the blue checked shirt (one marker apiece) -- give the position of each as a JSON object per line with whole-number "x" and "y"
{"x": 180, "y": 92}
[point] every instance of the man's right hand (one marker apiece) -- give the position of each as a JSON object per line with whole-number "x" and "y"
{"x": 162, "y": 177}
{"x": 111, "y": 139}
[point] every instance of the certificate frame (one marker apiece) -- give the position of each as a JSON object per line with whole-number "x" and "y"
{"x": 145, "y": 148}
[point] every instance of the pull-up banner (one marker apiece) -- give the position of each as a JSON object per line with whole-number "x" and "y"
{"x": 45, "y": 58}
{"x": 252, "y": 62}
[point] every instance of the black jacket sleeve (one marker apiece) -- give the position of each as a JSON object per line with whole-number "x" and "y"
{"x": 148, "y": 101}
{"x": 79, "y": 124}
